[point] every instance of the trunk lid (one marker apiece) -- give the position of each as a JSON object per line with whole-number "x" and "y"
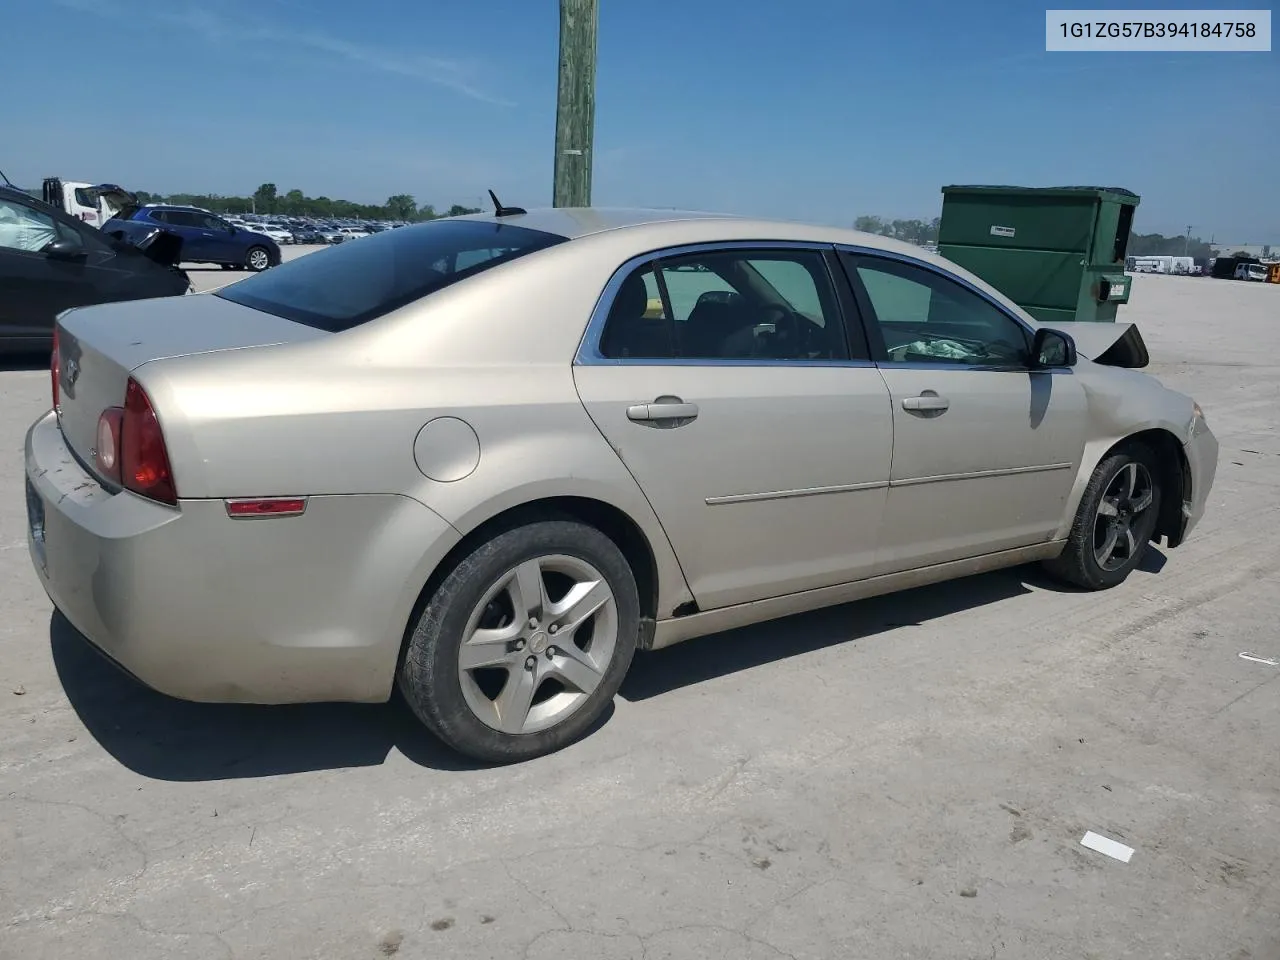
{"x": 100, "y": 346}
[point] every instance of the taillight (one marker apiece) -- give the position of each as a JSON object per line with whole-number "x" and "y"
{"x": 107, "y": 449}
{"x": 144, "y": 459}
{"x": 55, "y": 367}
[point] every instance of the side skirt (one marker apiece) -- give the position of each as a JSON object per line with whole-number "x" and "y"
{"x": 676, "y": 629}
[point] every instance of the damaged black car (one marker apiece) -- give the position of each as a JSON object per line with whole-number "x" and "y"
{"x": 51, "y": 262}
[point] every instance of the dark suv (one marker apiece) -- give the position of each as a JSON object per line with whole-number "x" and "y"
{"x": 206, "y": 237}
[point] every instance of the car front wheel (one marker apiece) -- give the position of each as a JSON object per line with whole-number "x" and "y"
{"x": 257, "y": 259}
{"x": 1114, "y": 523}
{"x": 523, "y": 645}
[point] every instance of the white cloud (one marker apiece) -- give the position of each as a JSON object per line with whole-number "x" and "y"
{"x": 452, "y": 74}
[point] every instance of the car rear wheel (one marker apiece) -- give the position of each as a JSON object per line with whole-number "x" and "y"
{"x": 257, "y": 259}
{"x": 1114, "y": 523}
{"x": 524, "y": 644}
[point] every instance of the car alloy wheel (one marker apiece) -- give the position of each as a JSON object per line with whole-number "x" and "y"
{"x": 538, "y": 644}
{"x": 258, "y": 259}
{"x": 1117, "y": 525}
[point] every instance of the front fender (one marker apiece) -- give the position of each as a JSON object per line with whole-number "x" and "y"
{"x": 1122, "y": 404}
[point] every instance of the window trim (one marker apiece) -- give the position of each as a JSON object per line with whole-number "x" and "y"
{"x": 871, "y": 322}
{"x": 589, "y": 355}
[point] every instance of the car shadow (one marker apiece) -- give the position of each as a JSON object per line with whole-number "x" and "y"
{"x": 166, "y": 739}
{"x": 717, "y": 655}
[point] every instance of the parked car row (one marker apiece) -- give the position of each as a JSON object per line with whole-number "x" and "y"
{"x": 309, "y": 230}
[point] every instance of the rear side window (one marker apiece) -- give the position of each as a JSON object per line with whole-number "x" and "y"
{"x": 351, "y": 284}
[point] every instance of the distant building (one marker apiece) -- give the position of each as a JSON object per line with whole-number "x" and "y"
{"x": 1260, "y": 250}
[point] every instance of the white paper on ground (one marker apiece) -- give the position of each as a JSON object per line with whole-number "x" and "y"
{"x": 1267, "y": 660}
{"x": 1112, "y": 848}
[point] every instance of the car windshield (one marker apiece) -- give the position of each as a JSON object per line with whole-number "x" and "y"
{"x": 346, "y": 286}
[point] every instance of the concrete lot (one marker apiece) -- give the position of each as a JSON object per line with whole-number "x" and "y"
{"x": 903, "y": 778}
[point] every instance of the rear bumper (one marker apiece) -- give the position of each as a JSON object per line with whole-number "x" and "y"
{"x": 1202, "y": 460}
{"x": 203, "y": 607}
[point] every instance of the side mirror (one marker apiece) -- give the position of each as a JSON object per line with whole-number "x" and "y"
{"x": 1053, "y": 348}
{"x": 64, "y": 249}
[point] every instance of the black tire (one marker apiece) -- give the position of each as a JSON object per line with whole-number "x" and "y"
{"x": 430, "y": 678}
{"x": 229, "y": 266}
{"x": 1079, "y": 563}
{"x": 257, "y": 259}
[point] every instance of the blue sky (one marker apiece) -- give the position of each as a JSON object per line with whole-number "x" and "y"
{"x": 807, "y": 109}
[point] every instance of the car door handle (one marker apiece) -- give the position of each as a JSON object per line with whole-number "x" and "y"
{"x": 926, "y": 401}
{"x": 658, "y": 412}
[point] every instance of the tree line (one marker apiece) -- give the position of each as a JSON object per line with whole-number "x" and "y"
{"x": 1140, "y": 244}
{"x": 294, "y": 203}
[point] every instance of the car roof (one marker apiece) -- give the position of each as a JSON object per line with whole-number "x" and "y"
{"x": 678, "y": 225}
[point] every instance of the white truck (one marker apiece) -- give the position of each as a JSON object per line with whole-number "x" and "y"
{"x": 95, "y": 204}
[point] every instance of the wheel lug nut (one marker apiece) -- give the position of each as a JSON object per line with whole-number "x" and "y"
{"x": 552, "y": 629}
{"x": 551, "y": 652}
{"x": 520, "y": 644}
{"x": 531, "y": 663}
{"x": 533, "y": 623}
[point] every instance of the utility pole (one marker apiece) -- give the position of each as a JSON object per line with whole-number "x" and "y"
{"x": 1186, "y": 243}
{"x": 575, "y": 103}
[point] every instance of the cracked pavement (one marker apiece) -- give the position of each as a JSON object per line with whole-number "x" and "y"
{"x": 907, "y": 777}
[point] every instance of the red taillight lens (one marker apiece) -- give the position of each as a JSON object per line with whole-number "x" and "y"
{"x": 55, "y": 367}
{"x": 144, "y": 459}
{"x": 107, "y": 449}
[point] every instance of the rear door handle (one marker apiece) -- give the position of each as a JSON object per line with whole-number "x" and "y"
{"x": 926, "y": 401}
{"x": 658, "y": 412}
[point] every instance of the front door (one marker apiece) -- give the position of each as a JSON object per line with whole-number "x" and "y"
{"x": 759, "y": 432}
{"x": 35, "y": 286}
{"x": 985, "y": 448}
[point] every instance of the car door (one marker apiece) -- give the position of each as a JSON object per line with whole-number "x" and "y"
{"x": 37, "y": 283}
{"x": 760, "y": 432}
{"x": 985, "y": 448}
{"x": 221, "y": 243}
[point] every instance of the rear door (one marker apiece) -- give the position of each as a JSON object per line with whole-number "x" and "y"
{"x": 759, "y": 431}
{"x": 985, "y": 448}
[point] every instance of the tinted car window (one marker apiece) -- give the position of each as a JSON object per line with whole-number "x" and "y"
{"x": 348, "y": 285}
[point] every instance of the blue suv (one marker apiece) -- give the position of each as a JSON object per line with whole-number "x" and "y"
{"x": 206, "y": 237}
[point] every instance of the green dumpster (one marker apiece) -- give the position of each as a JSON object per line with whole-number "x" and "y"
{"x": 1057, "y": 252}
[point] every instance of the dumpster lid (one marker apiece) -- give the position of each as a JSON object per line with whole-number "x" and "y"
{"x": 1117, "y": 192}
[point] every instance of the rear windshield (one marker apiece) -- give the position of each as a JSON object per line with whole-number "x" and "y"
{"x": 347, "y": 285}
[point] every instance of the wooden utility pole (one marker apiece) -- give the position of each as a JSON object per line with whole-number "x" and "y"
{"x": 575, "y": 103}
